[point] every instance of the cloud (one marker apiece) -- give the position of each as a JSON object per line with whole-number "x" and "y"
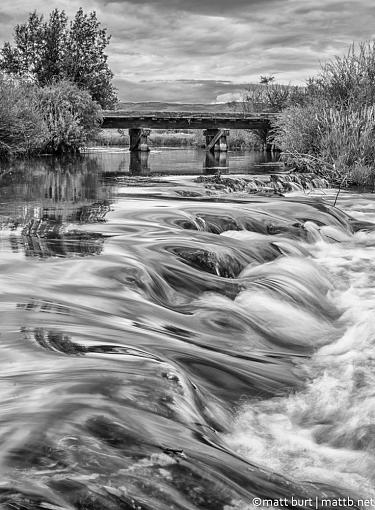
{"x": 191, "y": 48}
{"x": 184, "y": 91}
{"x": 208, "y": 7}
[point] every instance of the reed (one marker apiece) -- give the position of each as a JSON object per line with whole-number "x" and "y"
{"x": 332, "y": 132}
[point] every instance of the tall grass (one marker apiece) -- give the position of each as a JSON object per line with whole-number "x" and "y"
{"x": 327, "y": 140}
{"x": 350, "y": 78}
{"x": 332, "y": 132}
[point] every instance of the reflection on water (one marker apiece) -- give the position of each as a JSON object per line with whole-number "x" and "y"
{"x": 180, "y": 161}
{"x": 41, "y": 199}
{"x": 181, "y": 351}
{"x": 216, "y": 161}
{"x": 139, "y": 163}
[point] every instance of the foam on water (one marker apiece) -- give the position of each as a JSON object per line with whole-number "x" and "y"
{"x": 326, "y": 432}
{"x": 165, "y": 348}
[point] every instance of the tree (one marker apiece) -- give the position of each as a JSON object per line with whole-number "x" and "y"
{"x": 23, "y": 59}
{"x": 53, "y": 50}
{"x": 86, "y": 62}
{"x": 266, "y": 80}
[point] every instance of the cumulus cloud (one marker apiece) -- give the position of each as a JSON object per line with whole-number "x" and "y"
{"x": 198, "y": 50}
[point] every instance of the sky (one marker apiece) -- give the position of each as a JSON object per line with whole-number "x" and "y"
{"x": 206, "y": 51}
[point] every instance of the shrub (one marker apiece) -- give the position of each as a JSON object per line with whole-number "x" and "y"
{"x": 56, "y": 119}
{"x": 22, "y": 130}
{"x": 332, "y": 132}
{"x": 70, "y": 115}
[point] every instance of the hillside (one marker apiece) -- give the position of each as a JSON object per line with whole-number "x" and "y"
{"x": 155, "y": 106}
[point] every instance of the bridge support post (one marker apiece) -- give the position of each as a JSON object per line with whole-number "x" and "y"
{"x": 216, "y": 140}
{"x": 138, "y": 139}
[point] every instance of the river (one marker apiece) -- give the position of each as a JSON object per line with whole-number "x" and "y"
{"x": 164, "y": 346}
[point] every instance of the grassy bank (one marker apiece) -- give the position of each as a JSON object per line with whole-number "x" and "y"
{"x": 238, "y": 139}
{"x": 331, "y": 130}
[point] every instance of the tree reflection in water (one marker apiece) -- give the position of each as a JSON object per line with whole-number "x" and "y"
{"x": 39, "y": 198}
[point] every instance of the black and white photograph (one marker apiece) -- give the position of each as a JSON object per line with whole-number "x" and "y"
{"x": 187, "y": 254}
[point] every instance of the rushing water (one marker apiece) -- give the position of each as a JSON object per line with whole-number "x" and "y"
{"x": 165, "y": 348}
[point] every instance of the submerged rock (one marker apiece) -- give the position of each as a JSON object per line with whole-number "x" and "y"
{"x": 270, "y": 184}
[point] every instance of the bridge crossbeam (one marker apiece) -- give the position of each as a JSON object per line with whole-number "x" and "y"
{"x": 118, "y": 119}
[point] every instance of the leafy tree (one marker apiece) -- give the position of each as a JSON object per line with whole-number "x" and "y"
{"x": 266, "y": 80}
{"x": 53, "y": 50}
{"x": 55, "y": 41}
{"x": 23, "y": 59}
{"x": 86, "y": 62}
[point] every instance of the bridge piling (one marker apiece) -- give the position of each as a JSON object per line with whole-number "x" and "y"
{"x": 139, "y": 139}
{"x": 216, "y": 140}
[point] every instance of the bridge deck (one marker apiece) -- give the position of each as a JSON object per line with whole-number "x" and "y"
{"x": 117, "y": 119}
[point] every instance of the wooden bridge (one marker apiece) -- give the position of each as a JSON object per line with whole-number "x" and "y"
{"x": 216, "y": 125}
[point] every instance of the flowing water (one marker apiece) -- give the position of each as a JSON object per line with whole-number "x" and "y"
{"x": 166, "y": 347}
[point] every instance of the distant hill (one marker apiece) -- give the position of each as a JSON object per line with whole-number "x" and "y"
{"x": 155, "y": 106}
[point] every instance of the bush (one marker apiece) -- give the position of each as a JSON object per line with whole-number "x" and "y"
{"x": 22, "y": 129}
{"x": 332, "y": 132}
{"x": 56, "y": 119}
{"x": 327, "y": 140}
{"x": 70, "y": 115}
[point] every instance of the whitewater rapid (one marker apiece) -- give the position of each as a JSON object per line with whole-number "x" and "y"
{"x": 165, "y": 346}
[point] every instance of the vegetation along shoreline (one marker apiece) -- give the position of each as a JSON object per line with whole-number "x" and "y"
{"x": 53, "y": 88}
